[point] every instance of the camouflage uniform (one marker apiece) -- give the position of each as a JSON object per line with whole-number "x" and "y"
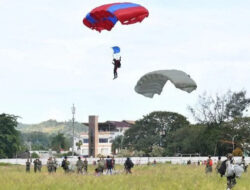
{"x": 28, "y": 166}
{"x": 50, "y": 165}
{"x": 35, "y": 165}
{"x": 85, "y": 165}
{"x": 39, "y": 165}
{"x": 100, "y": 167}
{"x": 102, "y": 164}
{"x": 79, "y": 165}
{"x": 218, "y": 165}
{"x": 54, "y": 165}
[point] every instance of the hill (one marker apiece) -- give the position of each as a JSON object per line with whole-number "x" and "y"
{"x": 53, "y": 127}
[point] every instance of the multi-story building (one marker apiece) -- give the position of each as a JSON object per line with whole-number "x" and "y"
{"x": 100, "y": 136}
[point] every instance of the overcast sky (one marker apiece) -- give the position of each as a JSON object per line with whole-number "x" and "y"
{"x": 50, "y": 60}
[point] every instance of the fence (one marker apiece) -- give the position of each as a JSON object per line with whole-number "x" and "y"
{"x": 136, "y": 160}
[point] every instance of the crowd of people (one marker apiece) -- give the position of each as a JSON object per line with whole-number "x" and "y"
{"x": 227, "y": 168}
{"x": 103, "y": 166}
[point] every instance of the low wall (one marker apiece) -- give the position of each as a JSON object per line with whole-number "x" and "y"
{"x": 136, "y": 160}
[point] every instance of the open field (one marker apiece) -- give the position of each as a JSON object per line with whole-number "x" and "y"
{"x": 160, "y": 177}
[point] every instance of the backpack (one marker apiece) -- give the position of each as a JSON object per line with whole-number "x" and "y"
{"x": 223, "y": 167}
{"x": 210, "y": 162}
{"x": 131, "y": 164}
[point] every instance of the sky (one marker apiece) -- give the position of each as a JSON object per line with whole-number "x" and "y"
{"x": 50, "y": 60}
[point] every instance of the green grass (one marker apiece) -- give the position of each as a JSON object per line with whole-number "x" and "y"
{"x": 160, "y": 177}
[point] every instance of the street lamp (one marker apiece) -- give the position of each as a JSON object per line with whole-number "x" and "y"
{"x": 73, "y": 109}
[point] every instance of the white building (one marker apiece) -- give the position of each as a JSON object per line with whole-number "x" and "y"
{"x": 107, "y": 132}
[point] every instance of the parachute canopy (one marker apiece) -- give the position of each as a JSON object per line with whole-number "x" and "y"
{"x": 116, "y": 49}
{"x": 106, "y": 16}
{"x": 238, "y": 170}
{"x": 153, "y": 82}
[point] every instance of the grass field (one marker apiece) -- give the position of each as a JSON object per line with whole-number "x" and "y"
{"x": 160, "y": 177}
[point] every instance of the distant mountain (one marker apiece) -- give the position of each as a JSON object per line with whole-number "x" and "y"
{"x": 53, "y": 127}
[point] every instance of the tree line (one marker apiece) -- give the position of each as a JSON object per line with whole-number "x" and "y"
{"x": 13, "y": 142}
{"x": 220, "y": 128}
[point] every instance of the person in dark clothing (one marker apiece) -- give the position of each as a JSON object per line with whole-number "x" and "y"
{"x": 128, "y": 165}
{"x": 109, "y": 165}
{"x": 230, "y": 174}
{"x": 117, "y": 64}
{"x": 37, "y": 165}
{"x": 65, "y": 165}
{"x": 28, "y": 163}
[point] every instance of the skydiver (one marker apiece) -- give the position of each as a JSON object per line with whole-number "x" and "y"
{"x": 117, "y": 64}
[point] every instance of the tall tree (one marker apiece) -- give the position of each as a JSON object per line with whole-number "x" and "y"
{"x": 59, "y": 142}
{"x": 153, "y": 129}
{"x": 216, "y": 110}
{"x": 117, "y": 143}
{"x": 9, "y": 136}
{"x": 222, "y": 119}
{"x": 185, "y": 140}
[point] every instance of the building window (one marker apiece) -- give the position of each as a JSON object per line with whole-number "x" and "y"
{"x": 85, "y": 141}
{"x": 103, "y": 140}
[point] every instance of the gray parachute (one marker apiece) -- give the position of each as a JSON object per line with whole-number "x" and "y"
{"x": 152, "y": 83}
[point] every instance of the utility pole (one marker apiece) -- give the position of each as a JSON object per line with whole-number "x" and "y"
{"x": 73, "y": 109}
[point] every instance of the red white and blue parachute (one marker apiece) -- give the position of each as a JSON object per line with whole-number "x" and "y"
{"x": 106, "y": 16}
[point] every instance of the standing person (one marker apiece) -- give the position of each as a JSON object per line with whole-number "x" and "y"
{"x": 99, "y": 168}
{"x": 79, "y": 165}
{"x": 102, "y": 164}
{"x": 218, "y": 165}
{"x": 209, "y": 165}
{"x": 109, "y": 165}
{"x": 85, "y": 165}
{"x": 50, "y": 165}
{"x": 28, "y": 165}
{"x": 35, "y": 162}
{"x": 113, "y": 163}
{"x": 38, "y": 165}
{"x": 117, "y": 64}
{"x": 54, "y": 164}
{"x": 128, "y": 165}
{"x": 230, "y": 174}
{"x": 243, "y": 163}
{"x": 65, "y": 164}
